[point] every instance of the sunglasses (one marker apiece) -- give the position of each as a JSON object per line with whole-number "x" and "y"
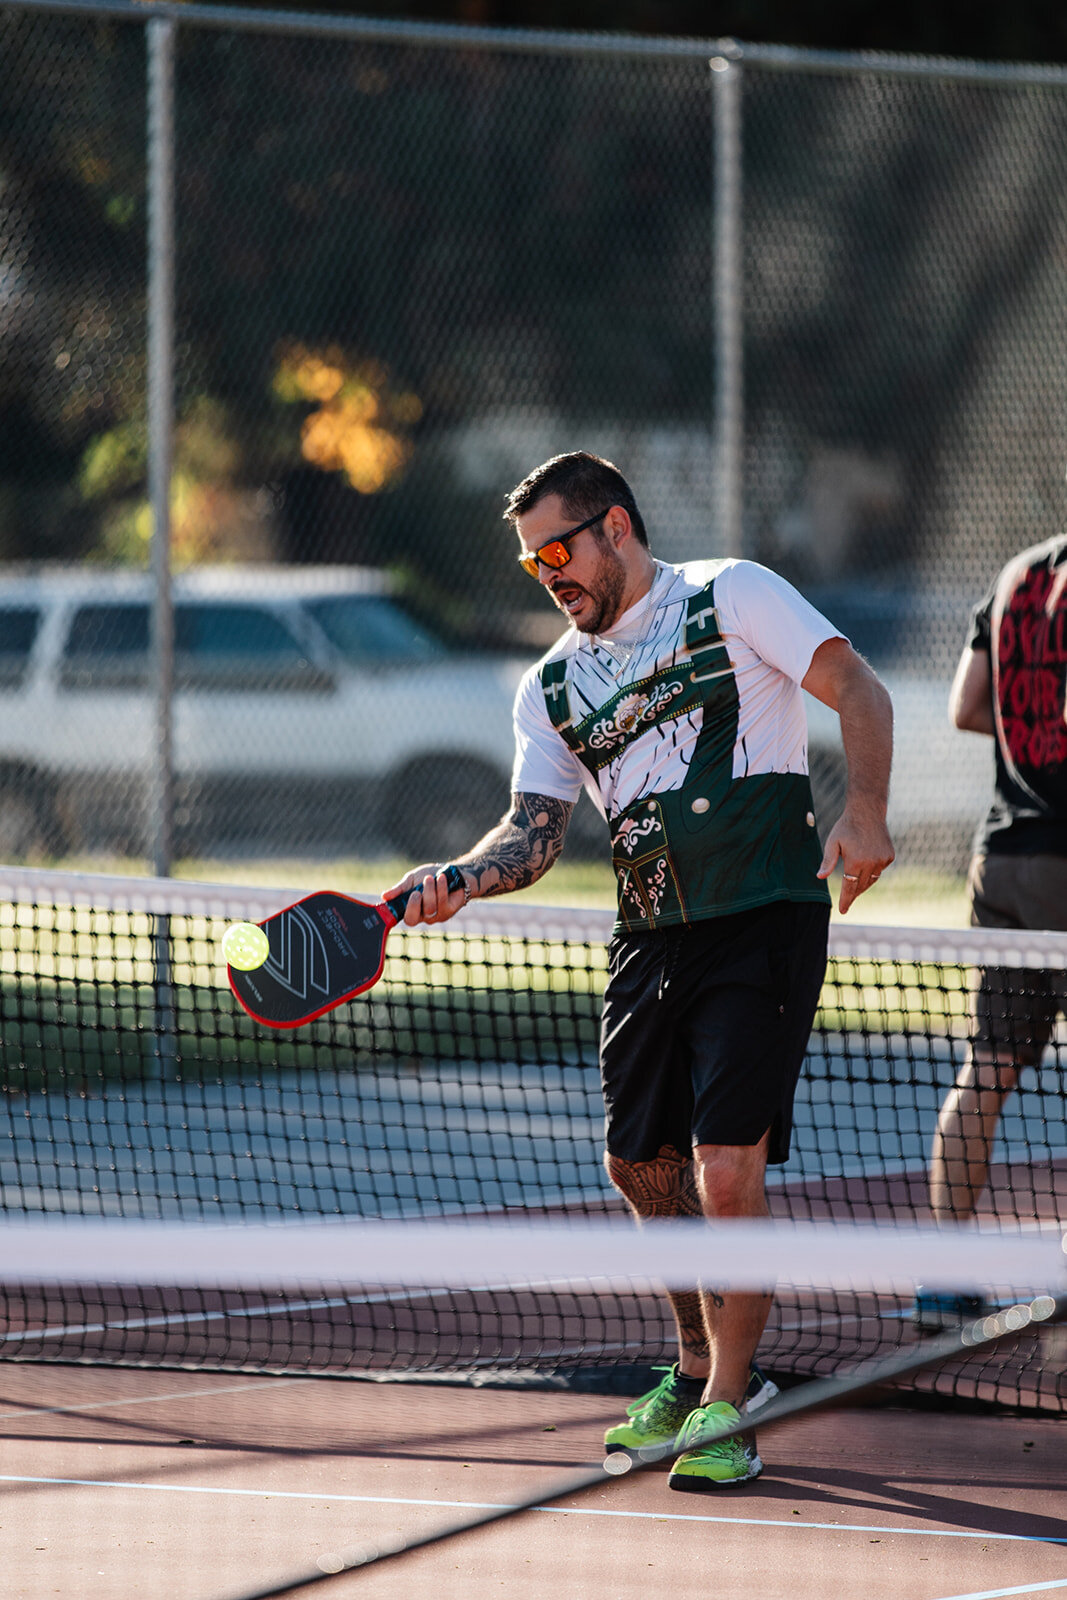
{"x": 556, "y": 553}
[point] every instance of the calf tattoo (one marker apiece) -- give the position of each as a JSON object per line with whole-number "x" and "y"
{"x": 666, "y": 1187}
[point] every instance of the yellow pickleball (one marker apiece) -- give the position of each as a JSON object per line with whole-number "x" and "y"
{"x": 245, "y": 946}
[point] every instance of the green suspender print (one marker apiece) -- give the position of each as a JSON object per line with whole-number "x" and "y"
{"x": 715, "y": 843}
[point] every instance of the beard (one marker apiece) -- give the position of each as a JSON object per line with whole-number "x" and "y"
{"x": 605, "y": 590}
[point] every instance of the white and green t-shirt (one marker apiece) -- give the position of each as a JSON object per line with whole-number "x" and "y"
{"x": 695, "y": 748}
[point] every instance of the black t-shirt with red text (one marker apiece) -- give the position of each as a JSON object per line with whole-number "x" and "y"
{"x": 1022, "y": 624}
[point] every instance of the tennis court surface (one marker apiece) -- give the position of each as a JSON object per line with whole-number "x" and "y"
{"x": 220, "y": 1434}
{"x": 119, "y": 1483}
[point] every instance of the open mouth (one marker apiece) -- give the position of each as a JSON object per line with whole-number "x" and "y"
{"x": 568, "y": 597}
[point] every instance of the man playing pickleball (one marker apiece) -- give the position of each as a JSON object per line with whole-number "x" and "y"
{"x": 675, "y": 699}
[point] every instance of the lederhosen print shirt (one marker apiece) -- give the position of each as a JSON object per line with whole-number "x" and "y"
{"x": 696, "y": 751}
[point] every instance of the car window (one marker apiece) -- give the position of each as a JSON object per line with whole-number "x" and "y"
{"x": 371, "y": 628}
{"x": 18, "y": 630}
{"x": 217, "y": 646}
{"x": 106, "y": 647}
{"x": 233, "y": 630}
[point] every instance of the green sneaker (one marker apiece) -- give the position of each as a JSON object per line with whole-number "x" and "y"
{"x": 655, "y": 1419}
{"x": 707, "y": 1462}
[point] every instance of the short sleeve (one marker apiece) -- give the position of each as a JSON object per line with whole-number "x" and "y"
{"x": 772, "y": 617}
{"x": 981, "y": 630}
{"x": 544, "y": 763}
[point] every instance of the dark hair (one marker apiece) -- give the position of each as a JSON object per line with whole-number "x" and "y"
{"x": 585, "y": 483}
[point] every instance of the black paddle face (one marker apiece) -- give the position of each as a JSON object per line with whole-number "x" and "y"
{"x": 323, "y": 950}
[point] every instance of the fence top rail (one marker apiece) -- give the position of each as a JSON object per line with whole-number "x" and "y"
{"x": 376, "y": 30}
{"x": 547, "y": 41}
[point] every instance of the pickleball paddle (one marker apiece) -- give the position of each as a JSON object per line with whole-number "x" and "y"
{"x": 324, "y": 950}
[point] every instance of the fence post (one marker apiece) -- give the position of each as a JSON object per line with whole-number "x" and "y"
{"x": 160, "y": 408}
{"x": 728, "y": 303}
{"x": 160, "y": 405}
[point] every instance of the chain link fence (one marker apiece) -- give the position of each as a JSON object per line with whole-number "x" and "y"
{"x": 409, "y": 264}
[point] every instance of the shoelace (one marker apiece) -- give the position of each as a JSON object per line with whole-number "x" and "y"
{"x": 639, "y": 1405}
{"x": 698, "y": 1431}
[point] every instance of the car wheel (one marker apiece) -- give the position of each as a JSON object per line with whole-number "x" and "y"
{"x": 437, "y": 808}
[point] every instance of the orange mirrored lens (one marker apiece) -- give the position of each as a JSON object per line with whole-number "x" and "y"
{"x": 553, "y": 554}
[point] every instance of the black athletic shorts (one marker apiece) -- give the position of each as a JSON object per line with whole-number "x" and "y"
{"x": 705, "y": 1027}
{"x": 1015, "y": 1008}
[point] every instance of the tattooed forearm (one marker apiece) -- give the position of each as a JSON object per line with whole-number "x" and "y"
{"x": 522, "y": 847}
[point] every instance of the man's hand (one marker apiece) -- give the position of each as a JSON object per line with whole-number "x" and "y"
{"x": 432, "y": 901}
{"x": 862, "y": 845}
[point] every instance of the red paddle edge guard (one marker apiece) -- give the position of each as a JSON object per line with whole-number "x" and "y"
{"x": 391, "y": 912}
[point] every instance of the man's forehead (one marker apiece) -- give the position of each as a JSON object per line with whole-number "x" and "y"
{"x": 544, "y": 519}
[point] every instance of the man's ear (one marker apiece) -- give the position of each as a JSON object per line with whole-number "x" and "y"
{"x": 617, "y": 525}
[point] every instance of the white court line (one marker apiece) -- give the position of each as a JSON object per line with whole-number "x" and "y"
{"x": 148, "y": 1399}
{"x": 187, "y": 1318}
{"x": 566, "y": 1511}
{"x": 128, "y": 1324}
{"x": 1025, "y": 1588}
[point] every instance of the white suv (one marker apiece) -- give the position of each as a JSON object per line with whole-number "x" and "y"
{"x": 311, "y": 711}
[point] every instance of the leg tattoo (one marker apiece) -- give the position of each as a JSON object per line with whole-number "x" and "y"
{"x": 662, "y": 1187}
{"x": 666, "y": 1187}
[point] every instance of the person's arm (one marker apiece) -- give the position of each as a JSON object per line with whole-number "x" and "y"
{"x": 859, "y": 839}
{"x": 970, "y": 700}
{"x": 513, "y": 855}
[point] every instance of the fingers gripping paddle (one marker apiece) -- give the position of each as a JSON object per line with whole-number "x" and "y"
{"x": 320, "y": 952}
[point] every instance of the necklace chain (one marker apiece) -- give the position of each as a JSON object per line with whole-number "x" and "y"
{"x": 624, "y": 653}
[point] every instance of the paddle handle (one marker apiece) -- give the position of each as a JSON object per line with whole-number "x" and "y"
{"x": 397, "y": 905}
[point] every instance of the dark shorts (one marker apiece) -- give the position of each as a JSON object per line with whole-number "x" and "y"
{"x": 1015, "y": 1009}
{"x": 705, "y": 1028}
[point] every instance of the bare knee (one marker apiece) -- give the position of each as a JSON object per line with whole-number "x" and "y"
{"x": 730, "y": 1179}
{"x": 661, "y": 1187}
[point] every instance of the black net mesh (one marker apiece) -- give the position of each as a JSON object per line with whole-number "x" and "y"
{"x": 464, "y": 1085}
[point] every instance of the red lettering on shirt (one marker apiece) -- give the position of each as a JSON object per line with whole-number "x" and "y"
{"x": 1031, "y": 651}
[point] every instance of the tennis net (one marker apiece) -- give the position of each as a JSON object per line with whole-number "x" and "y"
{"x": 463, "y": 1089}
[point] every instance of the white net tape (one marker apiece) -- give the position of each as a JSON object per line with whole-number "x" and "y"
{"x": 507, "y": 918}
{"x": 735, "y": 1255}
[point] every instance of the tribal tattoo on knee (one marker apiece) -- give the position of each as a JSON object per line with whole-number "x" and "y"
{"x": 662, "y": 1187}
